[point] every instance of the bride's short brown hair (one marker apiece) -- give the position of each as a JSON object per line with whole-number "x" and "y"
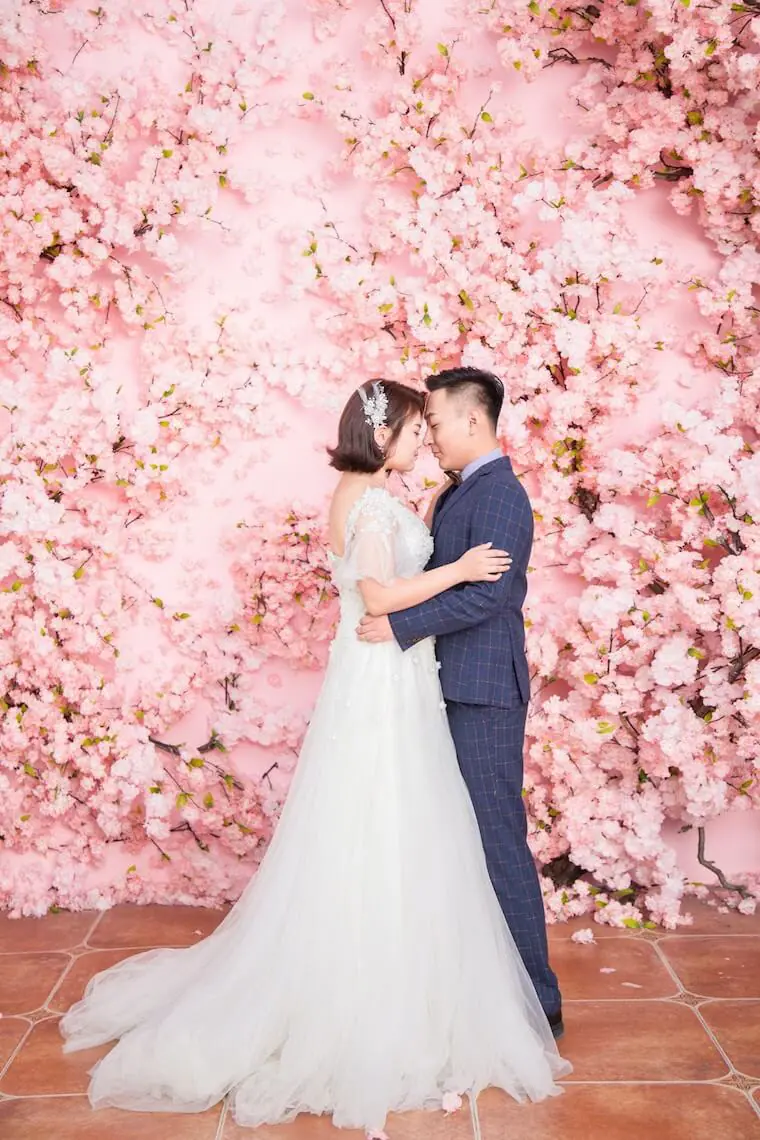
{"x": 356, "y": 449}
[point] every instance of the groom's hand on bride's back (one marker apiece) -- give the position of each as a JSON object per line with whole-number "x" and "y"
{"x": 374, "y": 629}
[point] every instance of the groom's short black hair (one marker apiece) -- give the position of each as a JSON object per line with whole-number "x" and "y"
{"x": 483, "y": 387}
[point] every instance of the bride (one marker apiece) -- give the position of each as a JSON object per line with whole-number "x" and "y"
{"x": 367, "y": 968}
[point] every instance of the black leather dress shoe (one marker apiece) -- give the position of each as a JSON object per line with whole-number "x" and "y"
{"x": 556, "y": 1024}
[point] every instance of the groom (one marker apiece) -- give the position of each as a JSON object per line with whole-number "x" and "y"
{"x": 480, "y": 643}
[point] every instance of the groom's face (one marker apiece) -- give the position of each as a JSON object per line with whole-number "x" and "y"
{"x": 449, "y": 433}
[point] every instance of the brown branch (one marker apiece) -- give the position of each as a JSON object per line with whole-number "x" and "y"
{"x": 387, "y": 12}
{"x": 715, "y": 869}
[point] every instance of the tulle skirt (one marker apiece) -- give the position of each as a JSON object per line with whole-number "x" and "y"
{"x": 367, "y": 968}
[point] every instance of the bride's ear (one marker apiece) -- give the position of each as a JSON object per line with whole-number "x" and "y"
{"x": 382, "y": 435}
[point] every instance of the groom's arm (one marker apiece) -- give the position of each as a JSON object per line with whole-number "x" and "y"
{"x": 499, "y": 519}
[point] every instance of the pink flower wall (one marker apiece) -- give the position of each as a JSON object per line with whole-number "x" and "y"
{"x": 217, "y": 220}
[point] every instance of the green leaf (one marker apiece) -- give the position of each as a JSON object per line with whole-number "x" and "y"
{"x": 632, "y": 923}
{"x": 79, "y": 572}
{"x": 308, "y": 96}
{"x": 443, "y": 50}
{"x": 590, "y": 678}
{"x": 486, "y": 117}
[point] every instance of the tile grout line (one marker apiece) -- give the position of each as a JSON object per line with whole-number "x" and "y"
{"x": 715, "y": 1082}
{"x": 222, "y": 1120}
{"x": 15, "y": 1052}
{"x": 475, "y": 1118}
{"x": 670, "y": 969}
{"x": 619, "y": 1000}
{"x": 61, "y": 979}
{"x": 46, "y": 1096}
{"x": 82, "y": 948}
{"x": 708, "y": 1030}
{"x": 705, "y": 999}
{"x": 96, "y": 923}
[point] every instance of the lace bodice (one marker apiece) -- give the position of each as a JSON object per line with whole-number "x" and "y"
{"x": 384, "y": 540}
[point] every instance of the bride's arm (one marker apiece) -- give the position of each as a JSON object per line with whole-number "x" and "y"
{"x": 480, "y": 564}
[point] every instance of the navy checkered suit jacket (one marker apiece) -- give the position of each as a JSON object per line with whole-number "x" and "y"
{"x": 478, "y": 625}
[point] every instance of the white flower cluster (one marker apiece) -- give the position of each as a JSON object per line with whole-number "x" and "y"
{"x": 375, "y": 406}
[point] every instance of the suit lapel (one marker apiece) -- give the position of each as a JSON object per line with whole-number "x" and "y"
{"x": 456, "y": 494}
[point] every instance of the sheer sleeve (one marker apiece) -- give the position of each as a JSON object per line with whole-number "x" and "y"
{"x": 370, "y": 543}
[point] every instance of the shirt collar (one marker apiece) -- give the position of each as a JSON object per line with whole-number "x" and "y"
{"x": 481, "y": 461}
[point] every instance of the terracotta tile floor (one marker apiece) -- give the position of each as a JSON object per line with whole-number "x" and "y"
{"x": 663, "y": 1031}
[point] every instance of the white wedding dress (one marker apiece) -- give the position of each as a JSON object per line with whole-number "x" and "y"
{"x": 367, "y": 968}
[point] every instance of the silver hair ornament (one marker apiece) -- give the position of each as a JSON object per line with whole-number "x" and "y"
{"x": 375, "y": 406}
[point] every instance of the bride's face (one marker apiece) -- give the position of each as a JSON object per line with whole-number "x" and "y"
{"x": 404, "y": 453}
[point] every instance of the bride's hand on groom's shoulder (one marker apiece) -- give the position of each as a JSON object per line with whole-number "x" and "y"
{"x": 374, "y": 629}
